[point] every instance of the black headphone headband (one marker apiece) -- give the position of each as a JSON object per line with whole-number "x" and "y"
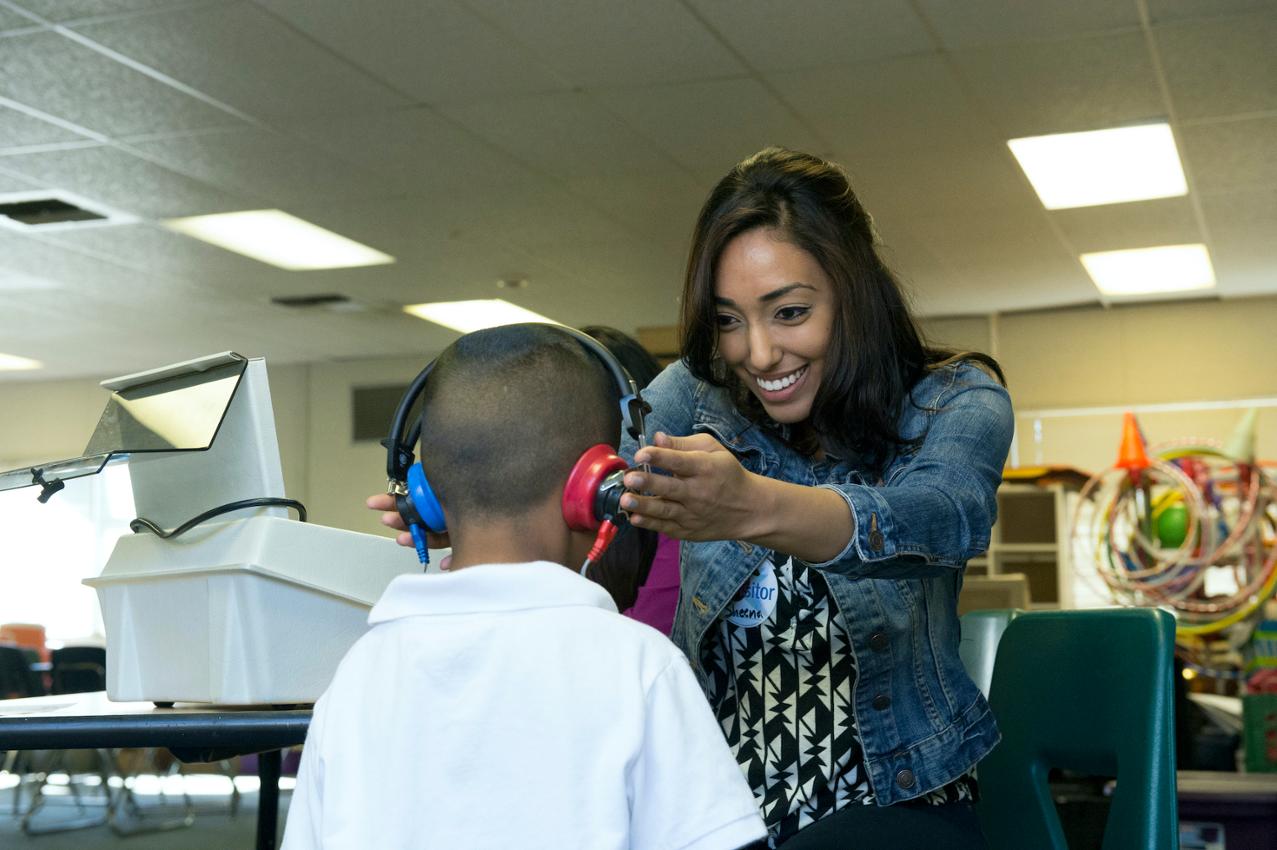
{"x": 399, "y": 445}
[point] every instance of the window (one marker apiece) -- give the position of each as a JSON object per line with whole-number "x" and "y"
{"x": 45, "y": 551}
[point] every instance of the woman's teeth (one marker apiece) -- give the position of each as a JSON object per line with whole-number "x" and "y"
{"x": 773, "y": 386}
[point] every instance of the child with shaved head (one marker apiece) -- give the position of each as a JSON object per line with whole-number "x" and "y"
{"x": 506, "y": 703}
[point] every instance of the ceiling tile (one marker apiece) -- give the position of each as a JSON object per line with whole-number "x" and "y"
{"x": 956, "y": 180}
{"x": 1224, "y": 66}
{"x": 446, "y": 250}
{"x": 433, "y": 50}
{"x": 10, "y": 20}
{"x": 1142, "y": 224}
{"x": 552, "y": 225}
{"x": 573, "y": 135}
{"x": 622, "y": 282}
{"x": 663, "y": 209}
{"x": 72, "y": 82}
{"x": 1243, "y": 228}
{"x": 273, "y": 168}
{"x": 15, "y": 182}
{"x": 1236, "y": 156}
{"x": 927, "y": 282}
{"x": 423, "y": 151}
{"x": 710, "y": 126}
{"x": 1001, "y": 262}
{"x": 1171, "y": 10}
{"x": 773, "y": 36}
{"x": 971, "y": 23}
{"x": 614, "y": 43}
{"x": 120, "y": 180}
{"x": 888, "y": 105}
{"x": 154, "y": 250}
{"x": 413, "y": 230}
{"x": 18, "y": 129}
{"x": 70, "y": 10}
{"x": 276, "y": 73}
{"x": 1064, "y": 86}
{"x": 73, "y": 273}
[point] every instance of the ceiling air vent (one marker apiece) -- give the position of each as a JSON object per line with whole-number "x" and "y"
{"x": 56, "y": 210}
{"x": 329, "y": 299}
{"x": 46, "y": 211}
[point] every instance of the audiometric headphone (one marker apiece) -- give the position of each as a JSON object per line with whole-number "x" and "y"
{"x": 591, "y": 497}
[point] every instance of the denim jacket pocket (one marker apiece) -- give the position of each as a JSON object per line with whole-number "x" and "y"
{"x": 752, "y": 457}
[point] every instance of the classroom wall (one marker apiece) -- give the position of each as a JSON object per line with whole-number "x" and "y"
{"x": 1188, "y": 370}
{"x": 1058, "y": 363}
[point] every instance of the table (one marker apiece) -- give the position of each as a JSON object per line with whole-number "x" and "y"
{"x": 1243, "y": 805}
{"x": 194, "y": 732}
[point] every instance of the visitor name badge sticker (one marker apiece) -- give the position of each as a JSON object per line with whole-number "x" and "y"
{"x": 757, "y": 600}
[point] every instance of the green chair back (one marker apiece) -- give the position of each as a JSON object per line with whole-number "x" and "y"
{"x": 981, "y": 631}
{"x": 1091, "y": 692}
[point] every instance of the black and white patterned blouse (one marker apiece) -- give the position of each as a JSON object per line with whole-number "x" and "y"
{"x": 781, "y": 675}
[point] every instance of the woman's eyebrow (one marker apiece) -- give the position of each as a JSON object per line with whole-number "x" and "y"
{"x": 770, "y": 296}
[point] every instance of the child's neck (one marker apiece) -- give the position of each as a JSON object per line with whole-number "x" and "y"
{"x": 506, "y": 542}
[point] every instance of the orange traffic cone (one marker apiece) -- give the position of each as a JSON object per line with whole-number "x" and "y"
{"x": 1131, "y": 455}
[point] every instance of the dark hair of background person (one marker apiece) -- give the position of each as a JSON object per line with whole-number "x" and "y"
{"x": 876, "y": 352}
{"x": 507, "y": 412}
{"x": 629, "y": 352}
{"x": 625, "y": 565}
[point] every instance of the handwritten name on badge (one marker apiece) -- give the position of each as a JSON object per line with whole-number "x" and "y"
{"x": 757, "y": 600}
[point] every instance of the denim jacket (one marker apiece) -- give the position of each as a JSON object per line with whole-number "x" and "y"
{"x": 897, "y": 580}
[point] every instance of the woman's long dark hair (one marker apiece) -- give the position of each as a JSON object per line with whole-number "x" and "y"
{"x": 876, "y": 353}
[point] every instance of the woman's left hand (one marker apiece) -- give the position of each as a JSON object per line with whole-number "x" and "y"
{"x": 707, "y": 495}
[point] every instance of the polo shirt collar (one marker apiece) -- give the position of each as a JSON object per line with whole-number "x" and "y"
{"x": 488, "y": 588}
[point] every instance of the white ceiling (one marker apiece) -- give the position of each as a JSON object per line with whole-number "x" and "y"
{"x": 570, "y": 142}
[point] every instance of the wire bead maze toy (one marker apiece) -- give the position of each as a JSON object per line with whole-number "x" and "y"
{"x": 1190, "y": 526}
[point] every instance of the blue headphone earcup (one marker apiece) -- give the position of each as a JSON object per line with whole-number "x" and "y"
{"x": 424, "y": 500}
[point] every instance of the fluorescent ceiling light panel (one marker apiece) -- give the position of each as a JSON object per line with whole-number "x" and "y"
{"x": 14, "y": 363}
{"x": 467, "y": 316}
{"x": 1149, "y": 271}
{"x": 280, "y": 239}
{"x": 1102, "y": 166}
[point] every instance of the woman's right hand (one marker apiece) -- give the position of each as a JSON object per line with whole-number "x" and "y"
{"x": 390, "y": 517}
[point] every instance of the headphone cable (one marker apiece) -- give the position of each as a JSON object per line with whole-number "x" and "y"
{"x": 141, "y": 524}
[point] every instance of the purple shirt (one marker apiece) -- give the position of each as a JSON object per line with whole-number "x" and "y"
{"x": 658, "y": 596}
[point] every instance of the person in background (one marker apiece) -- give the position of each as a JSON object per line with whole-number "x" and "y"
{"x": 505, "y": 703}
{"x": 639, "y": 555}
{"x": 829, "y": 474}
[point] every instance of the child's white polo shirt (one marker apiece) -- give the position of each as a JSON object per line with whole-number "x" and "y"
{"x": 509, "y": 705}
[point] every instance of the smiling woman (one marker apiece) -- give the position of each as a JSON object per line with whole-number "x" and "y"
{"x": 830, "y": 474}
{"x": 774, "y": 334}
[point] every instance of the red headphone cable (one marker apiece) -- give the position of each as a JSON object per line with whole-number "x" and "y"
{"x": 607, "y": 531}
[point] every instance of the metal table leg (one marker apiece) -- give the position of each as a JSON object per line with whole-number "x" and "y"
{"x": 268, "y": 766}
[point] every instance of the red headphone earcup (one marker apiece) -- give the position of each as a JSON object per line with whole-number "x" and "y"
{"x": 583, "y": 486}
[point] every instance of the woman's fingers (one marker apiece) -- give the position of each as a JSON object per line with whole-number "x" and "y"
{"x": 673, "y": 461}
{"x": 690, "y": 443}
{"x": 651, "y": 507}
{"x": 386, "y": 503}
{"x": 380, "y": 502}
{"x": 664, "y": 486}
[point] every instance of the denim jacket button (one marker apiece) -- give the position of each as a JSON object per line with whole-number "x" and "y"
{"x": 878, "y": 641}
{"x": 875, "y": 540}
{"x": 881, "y": 702}
{"x": 905, "y": 779}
